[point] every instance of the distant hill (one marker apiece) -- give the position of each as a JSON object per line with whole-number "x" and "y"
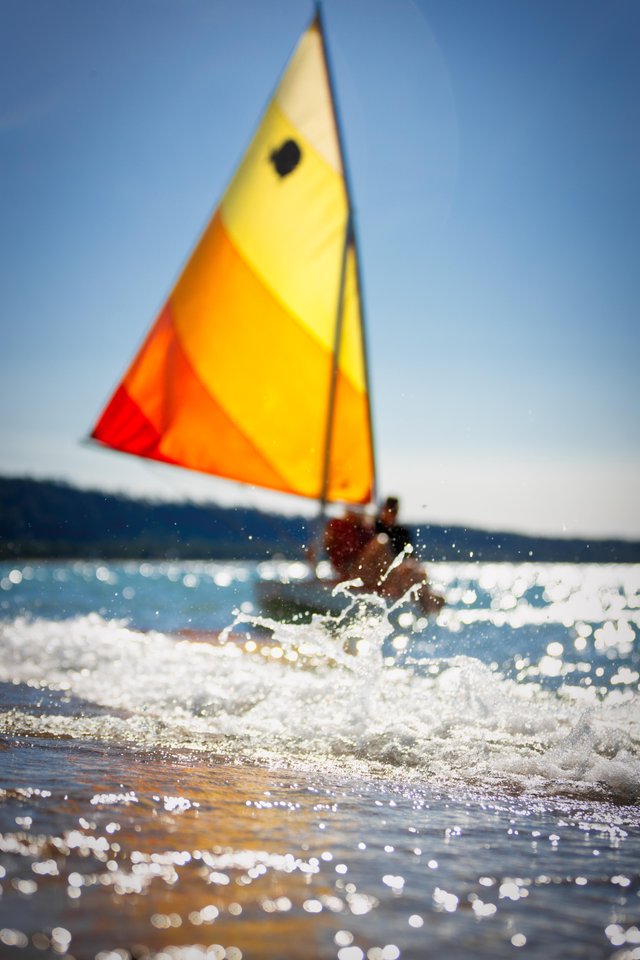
{"x": 41, "y": 518}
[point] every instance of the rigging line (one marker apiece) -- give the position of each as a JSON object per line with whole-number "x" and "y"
{"x": 319, "y": 19}
{"x": 326, "y": 464}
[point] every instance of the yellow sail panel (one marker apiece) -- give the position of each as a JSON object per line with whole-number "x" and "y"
{"x": 304, "y": 96}
{"x": 290, "y": 228}
{"x": 351, "y": 351}
{"x": 351, "y": 451}
{"x": 235, "y": 377}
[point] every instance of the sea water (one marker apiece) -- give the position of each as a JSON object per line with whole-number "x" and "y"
{"x": 183, "y": 778}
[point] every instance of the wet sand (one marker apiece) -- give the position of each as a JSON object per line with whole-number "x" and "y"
{"x": 110, "y": 853}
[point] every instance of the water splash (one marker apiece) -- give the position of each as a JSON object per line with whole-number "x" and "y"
{"x": 330, "y": 695}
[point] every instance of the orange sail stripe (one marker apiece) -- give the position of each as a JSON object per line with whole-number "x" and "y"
{"x": 350, "y": 454}
{"x": 182, "y": 423}
{"x": 254, "y": 369}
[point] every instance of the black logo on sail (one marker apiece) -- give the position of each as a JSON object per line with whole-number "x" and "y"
{"x": 286, "y": 158}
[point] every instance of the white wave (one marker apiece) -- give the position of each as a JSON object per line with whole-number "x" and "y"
{"x": 460, "y": 721}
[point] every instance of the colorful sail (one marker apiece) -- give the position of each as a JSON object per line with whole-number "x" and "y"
{"x": 235, "y": 376}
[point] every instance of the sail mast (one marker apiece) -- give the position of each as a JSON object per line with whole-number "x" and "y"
{"x": 326, "y": 456}
{"x": 350, "y": 239}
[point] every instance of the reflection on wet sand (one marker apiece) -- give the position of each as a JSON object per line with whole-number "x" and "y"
{"x": 227, "y": 860}
{"x": 111, "y": 855}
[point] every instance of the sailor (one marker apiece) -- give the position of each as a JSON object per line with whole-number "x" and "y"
{"x": 344, "y": 540}
{"x": 382, "y": 569}
{"x": 386, "y": 522}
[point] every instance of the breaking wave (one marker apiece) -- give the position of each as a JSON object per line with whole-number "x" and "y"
{"x": 341, "y": 695}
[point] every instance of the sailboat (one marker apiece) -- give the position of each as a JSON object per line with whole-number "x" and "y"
{"x": 256, "y": 366}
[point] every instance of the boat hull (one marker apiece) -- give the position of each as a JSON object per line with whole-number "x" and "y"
{"x": 299, "y": 600}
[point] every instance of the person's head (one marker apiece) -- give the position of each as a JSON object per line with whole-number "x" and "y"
{"x": 389, "y": 509}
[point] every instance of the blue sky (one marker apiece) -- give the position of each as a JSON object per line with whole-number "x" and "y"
{"x": 494, "y": 149}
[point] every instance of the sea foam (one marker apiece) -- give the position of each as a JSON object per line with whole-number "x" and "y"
{"x": 448, "y": 719}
